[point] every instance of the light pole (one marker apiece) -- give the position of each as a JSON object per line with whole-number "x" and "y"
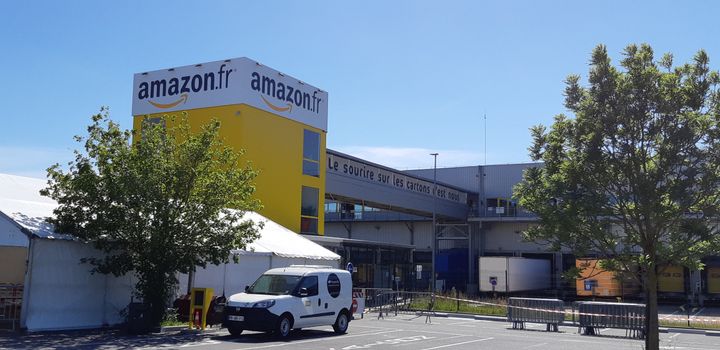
{"x": 434, "y": 230}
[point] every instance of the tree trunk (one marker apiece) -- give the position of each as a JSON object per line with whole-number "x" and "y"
{"x": 652, "y": 338}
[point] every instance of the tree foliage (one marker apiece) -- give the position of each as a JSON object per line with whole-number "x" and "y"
{"x": 155, "y": 206}
{"x": 634, "y": 177}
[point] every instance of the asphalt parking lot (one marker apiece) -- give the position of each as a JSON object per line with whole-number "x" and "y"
{"x": 393, "y": 332}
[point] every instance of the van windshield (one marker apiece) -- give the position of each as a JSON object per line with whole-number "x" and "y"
{"x": 274, "y": 284}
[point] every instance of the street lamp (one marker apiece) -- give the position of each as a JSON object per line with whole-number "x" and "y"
{"x": 434, "y": 230}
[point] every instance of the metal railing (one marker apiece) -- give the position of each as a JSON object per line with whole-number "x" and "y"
{"x": 10, "y": 306}
{"x": 588, "y": 316}
{"x": 385, "y": 301}
{"x": 533, "y": 310}
{"x": 630, "y": 317}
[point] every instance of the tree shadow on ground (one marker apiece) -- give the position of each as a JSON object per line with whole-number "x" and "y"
{"x": 260, "y": 337}
{"x": 100, "y": 339}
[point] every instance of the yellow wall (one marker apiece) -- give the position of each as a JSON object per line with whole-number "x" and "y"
{"x": 713, "y": 279}
{"x": 12, "y": 265}
{"x": 274, "y": 145}
{"x": 671, "y": 279}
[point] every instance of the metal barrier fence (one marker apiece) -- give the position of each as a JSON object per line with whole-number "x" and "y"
{"x": 386, "y": 301}
{"x": 10, "y": 305}
{"x": 373, "y": 296}
{"x": 630, "y": 317}
{"x": 548, "y": 311}
{"x": 589, "y": 316}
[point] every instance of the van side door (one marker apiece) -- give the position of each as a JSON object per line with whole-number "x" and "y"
{"x": 307, "y": 292}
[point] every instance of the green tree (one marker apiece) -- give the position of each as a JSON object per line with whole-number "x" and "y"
{"x": 634, "y": 177}
{"x": 155, "y": 206}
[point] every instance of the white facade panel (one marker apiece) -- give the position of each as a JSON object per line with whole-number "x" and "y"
{"x": 507, "y": 237}
{"x": 10, "y": 234}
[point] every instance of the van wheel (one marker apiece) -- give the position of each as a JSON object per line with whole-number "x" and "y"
{"x": 235, "y": 331}
{"x": 341, "y": 323}
{"x": 284, "y": 326}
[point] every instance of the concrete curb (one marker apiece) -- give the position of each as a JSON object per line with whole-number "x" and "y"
{"x": 166, "y": 329}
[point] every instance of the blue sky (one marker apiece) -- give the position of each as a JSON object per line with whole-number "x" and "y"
{"x": 405, "y": 78}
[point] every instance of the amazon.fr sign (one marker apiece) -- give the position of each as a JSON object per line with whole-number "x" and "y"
{"x": 233, "y": 81}
{"x": 369, "y": 173}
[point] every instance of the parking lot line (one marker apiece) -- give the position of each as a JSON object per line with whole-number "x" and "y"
{"x": 456, "y": 344}
{"x": 443, "y": 333}
{"x": 319, "y": 339}
{"x": 435, "y": 339}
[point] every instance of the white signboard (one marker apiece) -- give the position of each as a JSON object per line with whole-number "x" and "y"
{"x": 234, "y": 81}
{"x": 350, "y": 168}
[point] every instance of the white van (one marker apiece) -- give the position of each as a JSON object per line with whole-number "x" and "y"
{"x": 292, "y": 297}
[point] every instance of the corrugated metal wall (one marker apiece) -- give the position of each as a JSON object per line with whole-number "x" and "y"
{"x": 384, "y": 232}
{"x": 466, "y": 178}
{"x": 500, "y": 179}
{"x": 506, "y": 237}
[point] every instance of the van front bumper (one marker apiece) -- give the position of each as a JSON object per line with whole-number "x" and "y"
{"x": 253, "y": 319}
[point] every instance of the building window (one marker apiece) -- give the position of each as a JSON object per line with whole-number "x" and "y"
{"x": 309, "y": 210}
{"x": 311, "y": 153}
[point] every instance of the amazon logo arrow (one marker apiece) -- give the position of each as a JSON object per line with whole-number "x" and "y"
{"x": 183, "y": 99}
{"x": 276, "y": 108}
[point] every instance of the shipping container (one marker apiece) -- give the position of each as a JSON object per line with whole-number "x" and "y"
{"x": 713, "y": 280}
{"x": 510, "y": 274}
{"x": 671, "y": 279}
{"x": 596, "y": 281}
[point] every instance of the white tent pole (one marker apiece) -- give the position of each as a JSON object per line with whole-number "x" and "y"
{"x": 28, "y": 282}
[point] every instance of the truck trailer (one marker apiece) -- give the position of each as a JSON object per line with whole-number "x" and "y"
{"x": 511, "y": 274}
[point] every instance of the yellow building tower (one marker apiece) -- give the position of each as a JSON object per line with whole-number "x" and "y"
{"x": 279, "y": 121}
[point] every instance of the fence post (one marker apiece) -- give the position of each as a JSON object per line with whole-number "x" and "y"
{"x": 395, "y": 301}
{"x": 457, "y": 299}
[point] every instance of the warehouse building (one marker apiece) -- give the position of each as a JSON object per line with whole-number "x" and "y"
{"x": 386, "y": 231}
{"x": 385, "y": 227}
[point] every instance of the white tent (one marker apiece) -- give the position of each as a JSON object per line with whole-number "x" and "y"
{"x": 60, "y": 292}
{"x": 276, "y": 247}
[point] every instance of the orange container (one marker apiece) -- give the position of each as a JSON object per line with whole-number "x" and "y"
{"x": 606, "y": 283}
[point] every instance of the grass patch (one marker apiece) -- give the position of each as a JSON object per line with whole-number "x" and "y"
{"x": 167, "y": 323}
{"x": 693, "y": 324}
{"x": 488, "y": 307}
{"x": 171, "y": 319}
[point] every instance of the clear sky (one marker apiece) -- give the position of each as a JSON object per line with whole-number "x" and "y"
{"x": 405, "y": 78}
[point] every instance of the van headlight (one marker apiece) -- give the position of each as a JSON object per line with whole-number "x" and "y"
{"x": 264, "y": 304}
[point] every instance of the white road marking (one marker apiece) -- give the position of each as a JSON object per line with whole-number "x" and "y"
{"x": 395, "y": 341}
{"x": 456, "y": 344}
{"x": 534, "y": 346}
{"x": 444, "y": 333}
{"x": 434, "y": 339}
{"x": 321, "y": 339}
{"x": 674, "y": 335}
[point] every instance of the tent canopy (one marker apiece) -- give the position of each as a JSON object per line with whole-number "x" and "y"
{"x": 20, "y": 200}
{"x": 277, "y": 239}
